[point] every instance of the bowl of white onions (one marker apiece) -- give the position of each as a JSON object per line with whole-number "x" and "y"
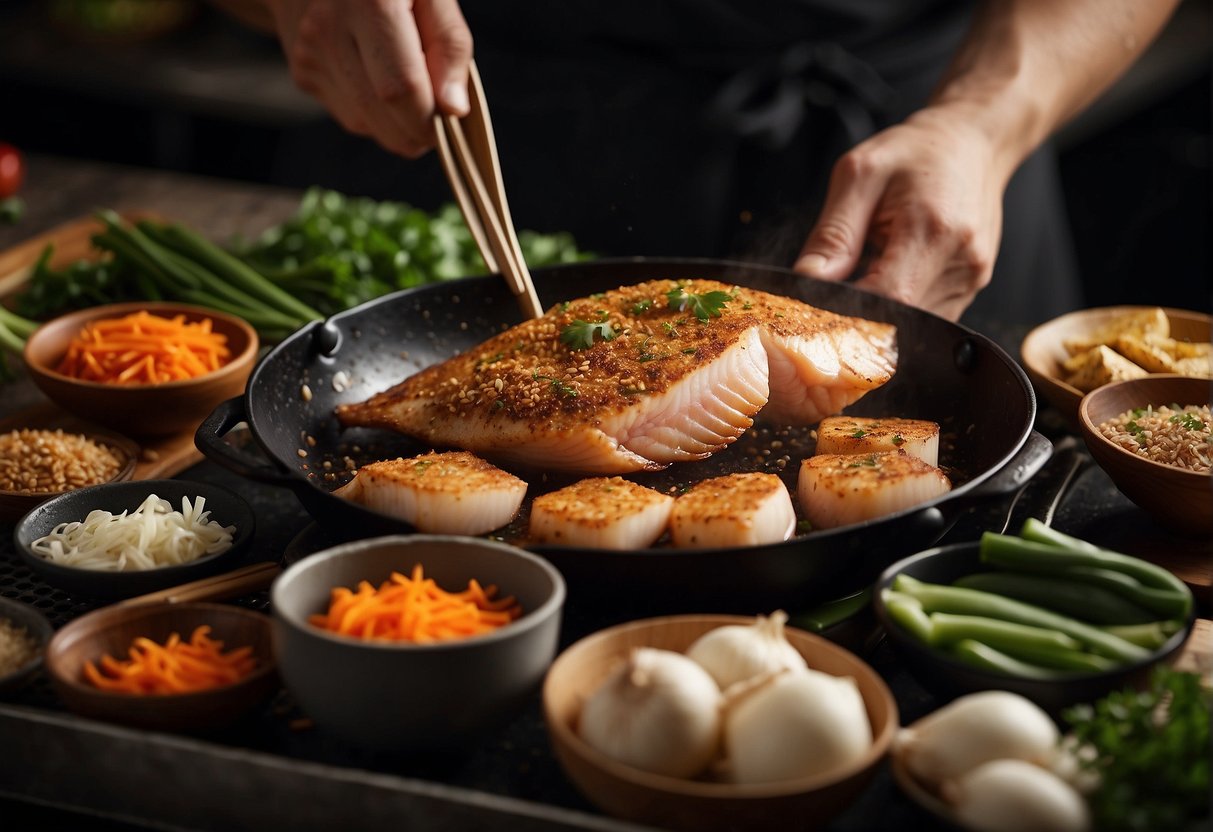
{"x": 717, "y": 722}
{"x": 120, "y": 540}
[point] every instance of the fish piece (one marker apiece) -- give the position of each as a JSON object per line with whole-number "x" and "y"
{"x": 601, "y": 513}
{"x": 442, "y": 493}
{"x": 864, "y": 435}
{"x": 733, "y": 510}
{"x": 839, "y": 490}
{"x": 633, "y": 379}
{"x": 820, "y": 362}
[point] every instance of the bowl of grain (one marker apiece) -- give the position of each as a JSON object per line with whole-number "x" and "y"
{"x": 186, "y": 361}
{"x": 37, "y": 464}
{"x": 24, "y": 633}
{"x": 1151, "y": 436}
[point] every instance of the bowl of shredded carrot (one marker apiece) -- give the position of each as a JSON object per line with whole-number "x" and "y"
{"x": 149, "y": 369}
{"x": 416, "y": 642}
{"x": 189, "y": 667}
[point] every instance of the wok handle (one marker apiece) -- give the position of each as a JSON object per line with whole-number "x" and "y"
{"x": 209, "y": 439}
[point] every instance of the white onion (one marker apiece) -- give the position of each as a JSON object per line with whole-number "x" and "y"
{"x": 659, "y": 712}
{"x": 151, "y": 536}
{"x": 795, "y": 724}
{"x": 975, "y": 729}
{"x": 1016, "y": 796}
{"x": 737, "y": 652}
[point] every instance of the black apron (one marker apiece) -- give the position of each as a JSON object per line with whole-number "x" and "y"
{"x": 709, "y": 127}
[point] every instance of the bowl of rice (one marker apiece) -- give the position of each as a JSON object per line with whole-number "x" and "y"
{"x": 1151, "y": 436}
{"x": 37, "y": 464}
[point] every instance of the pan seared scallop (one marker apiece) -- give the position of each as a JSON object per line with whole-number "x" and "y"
{"x": 860, "y": 435}
{"x": 733, "y": 510}
{"x": 839, "y": 490}
{"x": 637, "y": 378}
{"x": 601, "y": 513}
{"x": 447, "y": 493}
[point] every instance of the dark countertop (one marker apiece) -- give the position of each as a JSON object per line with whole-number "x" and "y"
{"x": 514, "y": 765}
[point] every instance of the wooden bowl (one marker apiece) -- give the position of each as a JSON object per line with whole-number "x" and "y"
{"x": 676, "y": 803}
{"x": 38, "y": 628}
{"x": 14, "y": 504}
{"x": 1177, "y": 498}
{"x": 146, "y": 409}
{"x": 227, "y": 508}
{"x": 111, "y": 630}
{"x": 1043, "y": 350}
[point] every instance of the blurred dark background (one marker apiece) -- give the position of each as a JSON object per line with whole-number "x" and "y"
{"x": 187, "y": 89}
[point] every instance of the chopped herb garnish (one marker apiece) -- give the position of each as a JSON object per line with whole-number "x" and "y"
{"x": 669, "y": 329}
{"x": 898, "y": 440}
{"x": 420, "y": 465}
{"x": 747, "y": 305}
{"x": 868, "y": 461}
{"x": 641, "y": 307}
{"x": 859, "y": 433}
{"x": 598, "y": 296}
{"x": 564, "y": 307}
{"x": 803, "y": 526}
{"x": 707, "y": 305}
{"x": 634, "y": 391}
{"x": 1188, "y": 420}
{"x": 557, "y": 385}
{"x": 1138, "y": 412}
{"x": 492, "y": 359}
{"x": 579, "y": 335}
{"x": 498, "y": 404}
{"x": 690, "y": 351}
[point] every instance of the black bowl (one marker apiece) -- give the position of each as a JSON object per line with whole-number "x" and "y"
{"x": 226, "y": 508}
{"x": 948, "y": 677}
{"x": 39, "y": 629}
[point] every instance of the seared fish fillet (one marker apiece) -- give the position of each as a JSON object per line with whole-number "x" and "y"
{"x": 637, "y": 378}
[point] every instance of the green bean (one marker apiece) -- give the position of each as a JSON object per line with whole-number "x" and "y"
{"x": 1073, "y": 598}
{"x": 961, "y": 601}
{"x": 1075, "y": 660}
{"x": 947, "y": 628}
{"x": 1150, "y": 636}
{"x": 1161, "y": 602}
{"x": 908, "y": 613}
{"x": 986, "y": 657}
{"x": 1148, "y": 573}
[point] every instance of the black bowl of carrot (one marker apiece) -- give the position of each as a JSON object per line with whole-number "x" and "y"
{"x": 353, "y": 652}
{"x": 1058, "y": 622}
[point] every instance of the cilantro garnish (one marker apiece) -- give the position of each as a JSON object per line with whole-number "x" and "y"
{"x": 898, "y": 440}
{"x": 859, "y": 433}
{"x": 707, "y": 305}
{"x": 579, "y": 335}
{"x": 1188, "y": 420}
{"x": 868, "y": 461}
{"x": 641, "y": 307}
{"x": 558, "y": 386}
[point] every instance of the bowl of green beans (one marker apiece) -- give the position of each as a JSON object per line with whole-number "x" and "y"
{"x": 1043, "y": 614}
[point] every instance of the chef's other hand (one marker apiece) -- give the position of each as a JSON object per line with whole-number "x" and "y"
{"x": 381, "y": 67}
{"x": 921, "y": 204}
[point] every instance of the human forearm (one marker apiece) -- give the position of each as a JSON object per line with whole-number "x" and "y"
{"x": 1028, "y": 66}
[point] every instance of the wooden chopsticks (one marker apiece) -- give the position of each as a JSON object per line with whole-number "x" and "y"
{"x": 233, "y": 584}
{"x": 469, "y": 157}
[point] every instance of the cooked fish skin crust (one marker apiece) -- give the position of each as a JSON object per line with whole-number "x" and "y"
{"x": 734, "y": 510}
{"x": 668, "y": 388}
{"x": 863, "y": 435}
{"x": 443, "y": 493}
{"x": 840, "y": 490}
{"x": 601, "y": 513}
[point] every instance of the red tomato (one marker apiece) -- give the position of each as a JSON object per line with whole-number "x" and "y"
{"x": 12, "y": 170}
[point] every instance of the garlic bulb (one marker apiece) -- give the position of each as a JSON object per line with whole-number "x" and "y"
{"x": 1016, "y": 796}
{"x": 795, "y": 724}
{"x": 659, "y": 712}
{"x": 737, "y": 652}
{"x": 975, "y": 729}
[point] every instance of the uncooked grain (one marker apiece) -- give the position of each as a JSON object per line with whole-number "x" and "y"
{"x": 49, "y": 461}
{"x": 17, "y": 647}
{"x": 1178, "y": 437}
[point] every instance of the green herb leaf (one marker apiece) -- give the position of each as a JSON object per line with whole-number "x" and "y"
{"x": 868, "y": 461}
{"x": 579, "y": 335}
{"x": 707, "y": 305}
{"x": 1188, "y": 421}
{"x": 898, "y": 440}
{"x": 558, "y": 386}
{"x": 803, "y": 527}
{"x": 640, "y": 307}
{"x": 859, "y": 433}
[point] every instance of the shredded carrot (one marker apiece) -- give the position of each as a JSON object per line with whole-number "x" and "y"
{"x": 174, "y": 667}
{"x": 415, "y": 609}
{"x": 142, "y": 348}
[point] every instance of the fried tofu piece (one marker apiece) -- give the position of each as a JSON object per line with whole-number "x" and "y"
{"x": 1181, "y": 349}
{"x": 1198, "y": 366}
{"x": 1099, "y": 366}
{"x": 1151, "y": 357}
{"x": 1141, "y": 323}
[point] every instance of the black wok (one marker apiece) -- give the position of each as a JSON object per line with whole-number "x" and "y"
{"x": 946, "y": 373}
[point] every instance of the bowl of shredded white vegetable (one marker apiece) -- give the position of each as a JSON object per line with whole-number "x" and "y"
{"x": 125, "y": 539}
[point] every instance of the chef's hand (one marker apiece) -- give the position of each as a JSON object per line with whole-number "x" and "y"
{"x": 381, "y": 67}
{"x": 920, "y": 205}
